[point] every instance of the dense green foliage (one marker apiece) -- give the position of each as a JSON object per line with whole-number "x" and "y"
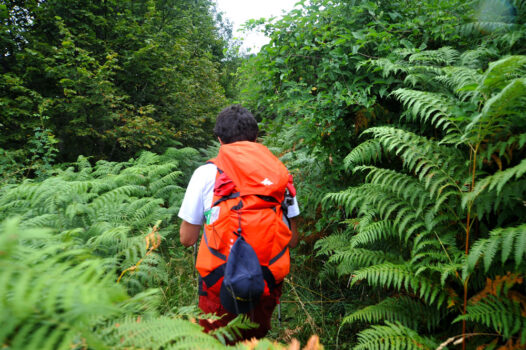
{"x": 424, "y": 102}
{"x": 447, "y": 222}
{"x": 57, "y": 295}
{"x": 101, "y": 275}
{"x": 107, "y": 208}
{"x": 108, "y": 78}
{"x": 60, "y": 287}
{"x": 403, "y": 122}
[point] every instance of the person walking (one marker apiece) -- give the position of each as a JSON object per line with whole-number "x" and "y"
{"x": 245, "y": 201}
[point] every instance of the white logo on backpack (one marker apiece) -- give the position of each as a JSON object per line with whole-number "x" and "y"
{"x": 267, "y": 182}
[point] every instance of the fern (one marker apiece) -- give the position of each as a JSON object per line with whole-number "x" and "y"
{"x": 233, "y": 329}
{"x": 443, "y": 56}
{"x": 393, "y": 336}
{"x": 424, "y": 194}
{"x": 405, "y": 186}
{"x": 401, "y": 276}
{"x": 52, "y": 295}
{"x": 330, "y": 244}
{"x": 160, "y": 333}
{"x": 437, "y": 166}
{"x": 404, "y": 310}
{"x": 460, "y": 80}
{"x": 108, "y": 207}
{"x": 350, "y": 260}
{"x": 503, "y": 315}
{"x": 377, "y": 231}
{"x": 387, "y": 66}
{"x": 490, "y": 121}
{"x": 477, "y": 57}
{"x": 496, "y": 182}
{"x": 511, "y": 242}
{"x": 501, "y": 72}
{"x": 429, "y": 107}
{"x": 369, "y": 151}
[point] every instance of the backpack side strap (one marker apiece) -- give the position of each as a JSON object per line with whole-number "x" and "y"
{"x": 213, "y": 251}
{"x": 280, "y": 254}
{"x": 268, "y": 277}
{"x": 222, "y": 199}
{"x": 214, "y": 276}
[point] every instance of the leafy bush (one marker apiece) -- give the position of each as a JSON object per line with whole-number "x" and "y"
{"x": 424, "y": 102}
{"x": 56, "y": 295}
{"x": 439, "y": 224}
{"x": 110, "y": 79}
{"x": 108, "y": 208}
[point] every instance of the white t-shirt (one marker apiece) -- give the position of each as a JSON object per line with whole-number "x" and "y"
{"x": 200, "y": 193}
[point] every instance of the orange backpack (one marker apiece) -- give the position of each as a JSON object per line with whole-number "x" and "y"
{"x": 248, "y": 195}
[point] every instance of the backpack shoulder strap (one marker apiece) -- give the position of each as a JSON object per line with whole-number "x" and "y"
{"x": 212, "y": 161}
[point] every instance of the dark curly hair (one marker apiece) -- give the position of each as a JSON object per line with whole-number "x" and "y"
{"x": 236, "y": 123}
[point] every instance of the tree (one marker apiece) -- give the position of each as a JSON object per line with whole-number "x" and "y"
{"x": 109, "y": 78}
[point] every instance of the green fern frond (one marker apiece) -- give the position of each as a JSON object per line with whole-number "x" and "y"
{"x": 147, "y": 158}
{"x": 330, "y": 244}
{"x": 388, "y": 67}
{"x": 166, "y": 180}
{"x": 403, "y": 309}
{"x": 149, "y": 274}
{"x": 401, "y": 276}
{"x": 380, "y": 197}
{"x": 52, "y": 294}
{"x": 428, "y": 252}
{"x": 116, "y": 194}
{"x": 436, "y": 166}
{"x": 126, "y": 177}
{"x": 105, "y": 168}
{"x": 367, "y": 152}
{"x": 500, "y": 148}
{"x": 428, "y": 107}
{"x": 443, "y": 56}
{"x": 495, "y": 182}
{"x": 507, "y": 99}
{"x": 506, "y": 103}
{"x": 505, "y": 316}
{"x": 414, "y": 79}
{"x": 478, "y": 57}
{"x": 44, "y": 220}
{"x": 403, "y": 185}
{"x": 461, "y": 81}
{"x": 139, "y": 213}
{"x": 499, "y": 73}
{"x": 393, "y": 336}
{"x": 158, "y": 171}
{"x": 348, "y": 199}
{"x": 510, "y": 241}
{"x": 377, "y": 231}
{"x": 159, "y": 333}
{"x": 349, "y": 260}
{"x": 233, "y": 329}
{"x": 108, "y": 238}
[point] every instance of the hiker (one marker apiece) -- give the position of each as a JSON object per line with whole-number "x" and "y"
{"x": 246, "y": 201}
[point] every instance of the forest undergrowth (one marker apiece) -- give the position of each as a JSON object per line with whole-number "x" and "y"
{"x": 406, "y": 120}
{"x": 403, "y": 123}
{"x": 91, "y": 258}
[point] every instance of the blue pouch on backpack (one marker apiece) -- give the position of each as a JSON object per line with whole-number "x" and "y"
{"x": 243, "y": 282}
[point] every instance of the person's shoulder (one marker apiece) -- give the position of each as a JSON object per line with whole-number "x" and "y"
{"x": 206, "y": 168}
{"x": 205, "y": 171}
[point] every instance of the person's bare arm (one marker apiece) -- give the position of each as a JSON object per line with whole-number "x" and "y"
{"x": 189, "y": 233}
{"x": 294, "y": 228}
